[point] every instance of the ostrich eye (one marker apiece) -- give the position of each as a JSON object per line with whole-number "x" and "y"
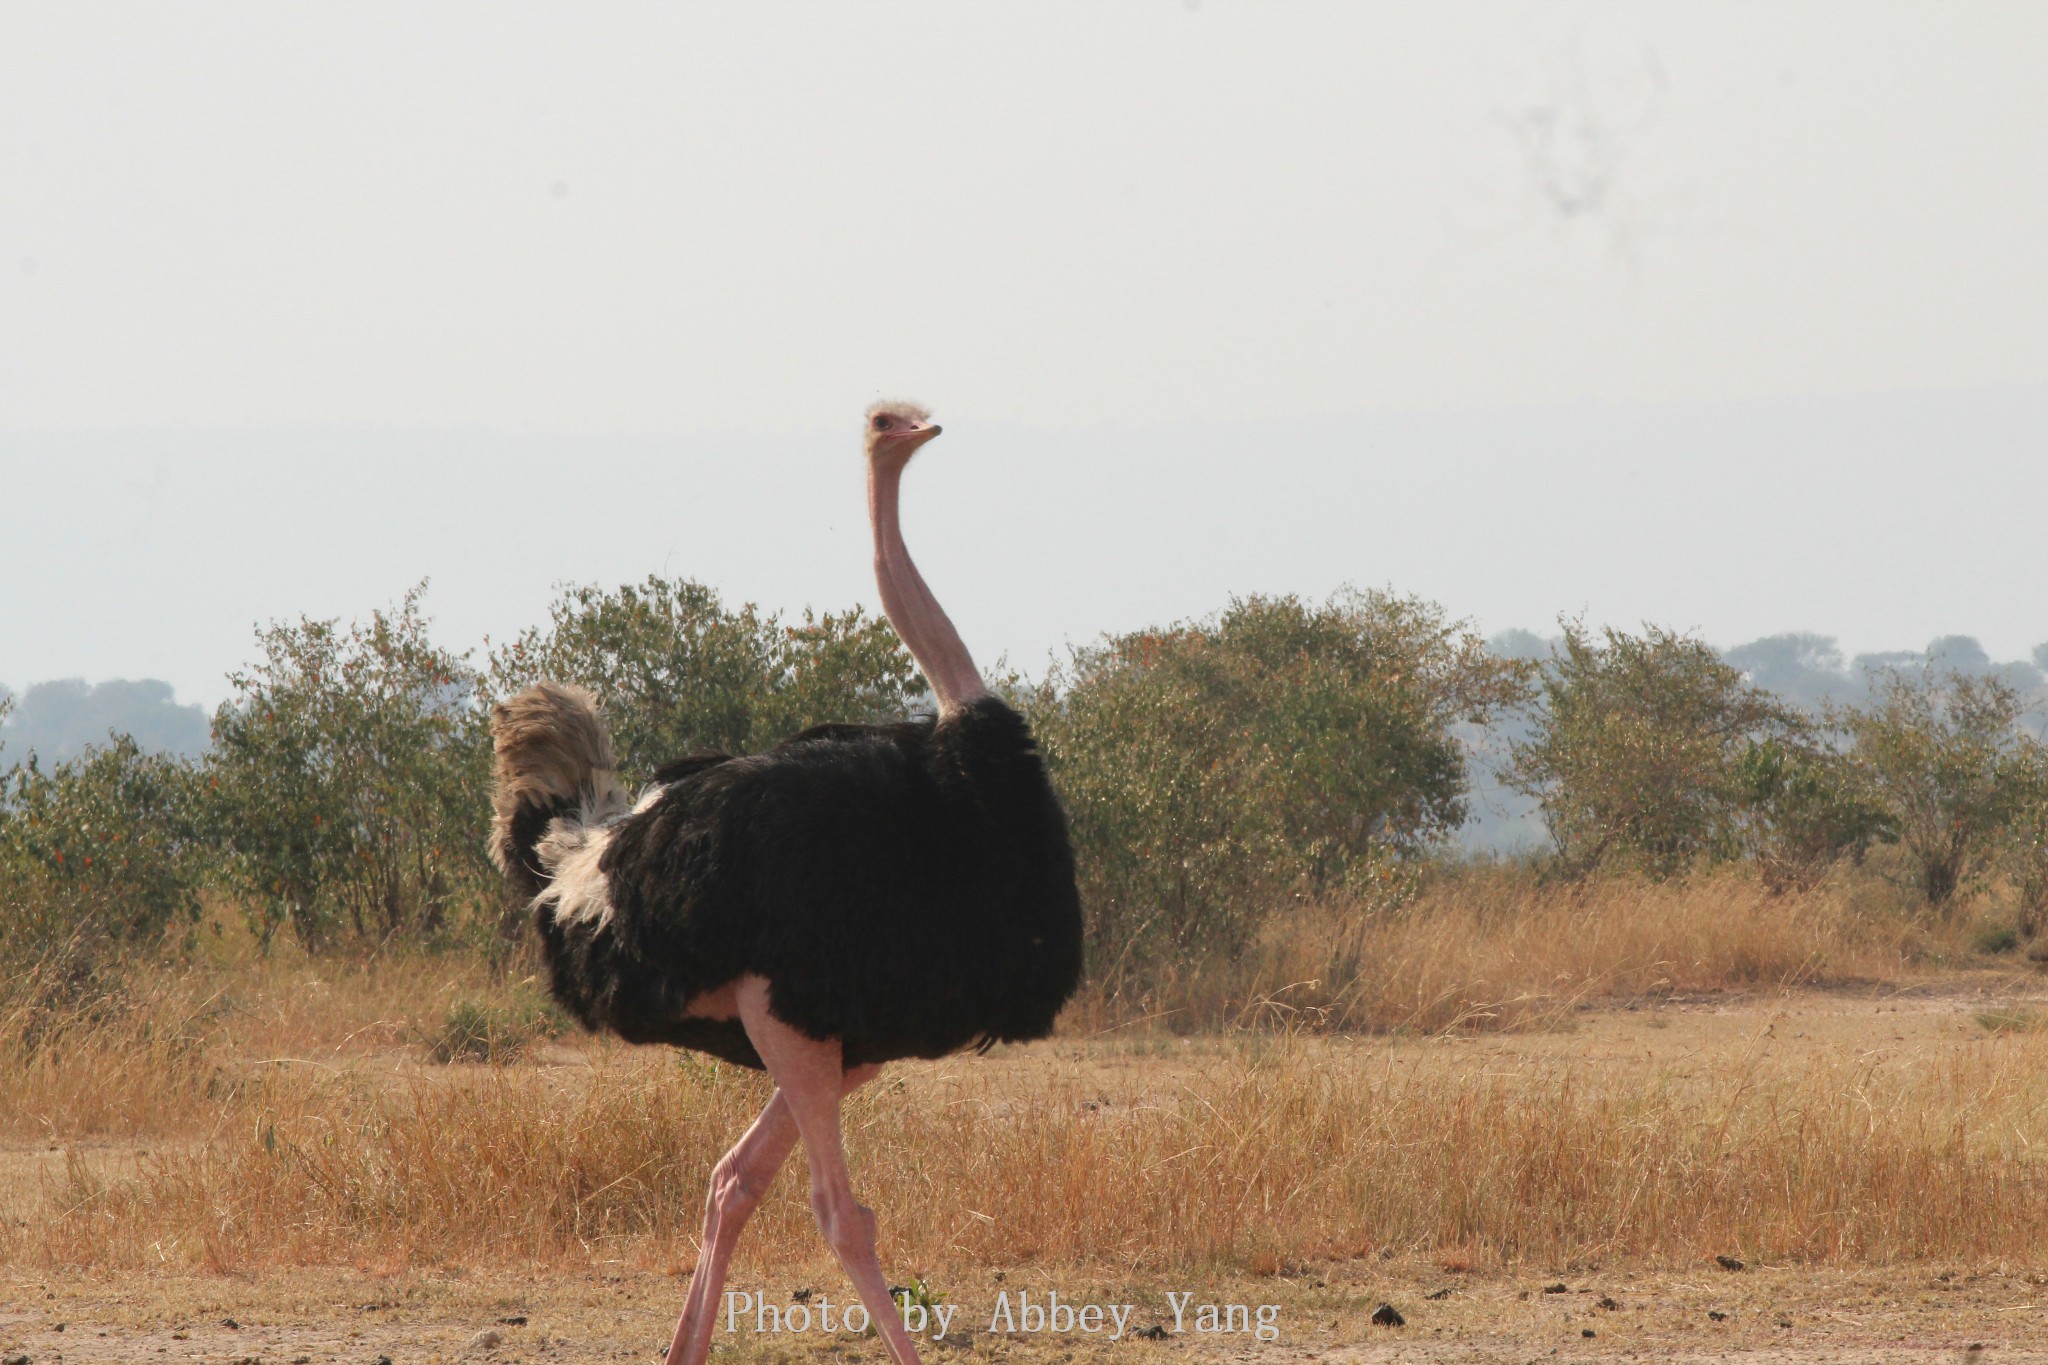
{"x": 881, "y": 424}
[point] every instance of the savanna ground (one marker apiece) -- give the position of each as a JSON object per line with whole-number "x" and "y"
{"x": 1530, "y": 1114}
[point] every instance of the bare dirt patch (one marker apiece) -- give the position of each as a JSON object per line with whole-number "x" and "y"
{"x": 1916, "y": 1313}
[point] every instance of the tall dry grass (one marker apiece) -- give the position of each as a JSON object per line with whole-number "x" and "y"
{"x": 139, "y": 1049}
{"x": 286, "y": 1113}
{"x": 1499, "y": 948}
{"x": 1305, "y": 1151}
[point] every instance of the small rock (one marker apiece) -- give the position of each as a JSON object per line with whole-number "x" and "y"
{"x": 1728, "y": 1263}
{"x": 1386, "y": 1315}
{"x": 804, "y": 1295}
{"x": 57, "y": 1327}
{"x": 1609, "y": 1304}
{"x": 16, "y": 1360}
{"x": 1443, "y": 1293}
{"x": 1555, "y": 1289}
{"x": 1717, "y": 1315}
{"x": 231, "y": 1324}
{"x": 1974, "y": 1346}
{"x": 1585, "y": 1331}
{"x": 381, "y": 1360}
{"x": 1784, "y": 1322}
{"x": 1153, "y": 1333}
{"x": 487, "y": 1340}
{"x": 516, "y": 1320}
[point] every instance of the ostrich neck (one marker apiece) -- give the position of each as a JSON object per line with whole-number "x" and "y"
{"x": 909, "y": 604}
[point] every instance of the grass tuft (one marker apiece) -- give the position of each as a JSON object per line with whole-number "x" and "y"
{"x": 482, "y": 1030}
{"x": 2010, "y": 1019}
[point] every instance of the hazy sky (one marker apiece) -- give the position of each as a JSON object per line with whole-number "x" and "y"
{"x": 1733, "y": 316}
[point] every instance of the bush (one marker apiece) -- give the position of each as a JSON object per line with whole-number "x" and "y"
{"x": 1805, "y": 810}
{"x": 2025, "y": 846}
{"x": 1637, "y": 753}
{"x": 1212, "y": 768}
{"x": 679, "y": 673}
{"x": 1939, "y": 753}
{"x": 96, "y": 851}
{"x": 349, "y": 783}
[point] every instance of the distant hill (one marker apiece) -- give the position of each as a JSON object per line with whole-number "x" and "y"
{"x": 57, "y": 720}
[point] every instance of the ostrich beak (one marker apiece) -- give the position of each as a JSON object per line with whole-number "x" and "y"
{"x": 913, "y": 437}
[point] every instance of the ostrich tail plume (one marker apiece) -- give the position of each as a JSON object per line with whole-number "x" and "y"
{"x": 554, "y": 761}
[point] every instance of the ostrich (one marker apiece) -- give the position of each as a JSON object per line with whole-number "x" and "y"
{"x": 853, "y": 896}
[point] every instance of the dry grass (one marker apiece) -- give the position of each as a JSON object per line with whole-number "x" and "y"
{"x": 1496, "y": 948}
{"x": 290, "y": 1116}
{"x": 1258, "y": 1155}
{"x": 144, "y": 1051}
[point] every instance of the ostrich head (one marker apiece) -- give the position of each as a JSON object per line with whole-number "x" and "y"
{"x": 895, "y": 430}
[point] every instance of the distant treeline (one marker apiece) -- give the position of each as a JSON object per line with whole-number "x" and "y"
{"x": 1216, "y": 772}
{"x": 1811, "y": 672}
{"x": 61, "y": 719}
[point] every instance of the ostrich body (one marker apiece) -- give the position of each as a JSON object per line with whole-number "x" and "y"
{"x": 855, "y": 895}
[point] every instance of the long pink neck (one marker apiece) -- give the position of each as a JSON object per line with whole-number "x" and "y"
{"x": 909, "y": 604}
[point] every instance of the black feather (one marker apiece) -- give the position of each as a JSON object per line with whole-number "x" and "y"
{"x": 528, "y": 825}
{"x": 676, "y": 769}
{"x": 907, "y": 889}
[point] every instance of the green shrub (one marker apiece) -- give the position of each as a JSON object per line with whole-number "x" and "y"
{"x": 349, "y": 783}
{"x": 1215, "y": 768}
{"x": 679, "y": 672}
{"x": 1938, "y": 752}
{"x": 97, "y": 851}
{"x": 1804, "y": 809}
{"x": 1638, "y": 750}
{"x": 2024, "y": 850}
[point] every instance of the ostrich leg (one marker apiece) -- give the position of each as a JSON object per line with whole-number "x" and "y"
{"x": 738, "y": 1182}
{"x": 807, "y": 1074}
